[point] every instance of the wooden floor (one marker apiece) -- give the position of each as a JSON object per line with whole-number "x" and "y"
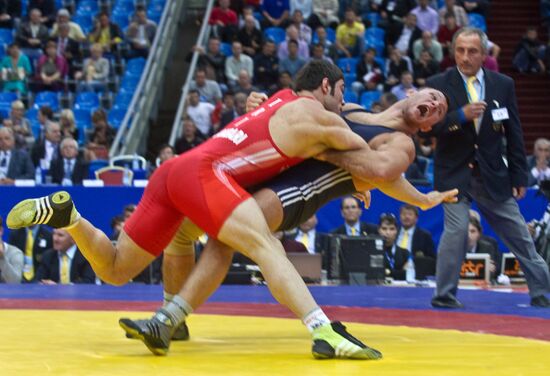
{"x": 52, "y": 342}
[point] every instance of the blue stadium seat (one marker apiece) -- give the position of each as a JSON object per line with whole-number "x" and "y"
{"x": 2, "y": 50}
{"x": 87, "y": 100}
{"x": 6, "y": 98}
{"x": 85, "y": 22}
{"x": 46, "y": 98}
{"x": 350, "y": 97}
{"x": 87, "y": 8}
{"x": 6, "y": 36}
{"x": 124, "y": 7}
{"x": 129, "y": 82}
{"x": 276, "y": 34}
{"x": 5, "y": 112}
{"x": 83, "y": 118}
{"x": 368, "y": 97}
{"x": 382, "y": 62}
{"x": 477, "y": 20}
{"x": 123, "y": 99}
{"x": 225, "y": 49}
{"x": 375, "y": 33}
{"x": 116, "y": 116}
{"x": 347, "y": 64}
{"x": 377, "y": 44}
{"x": 135, "y": 66}
{"x": 349, "y": 78}
{"x": 373, "y": 18}
{"x": 121, "y": 19}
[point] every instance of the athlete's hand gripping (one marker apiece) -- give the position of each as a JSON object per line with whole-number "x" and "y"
{"x": 254, "y": 100}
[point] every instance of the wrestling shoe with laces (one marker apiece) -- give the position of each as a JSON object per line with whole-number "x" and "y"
{"x": 333, "y": 341}
{"x": 155, "y": 333}
{"x": 180, "y": 334}
{"x": 56, "y": 210}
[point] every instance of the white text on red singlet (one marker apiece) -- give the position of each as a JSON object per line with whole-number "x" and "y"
{"x": 232, "y": 134}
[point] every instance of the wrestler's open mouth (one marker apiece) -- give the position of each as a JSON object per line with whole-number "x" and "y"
{"x": 423, "y": 109}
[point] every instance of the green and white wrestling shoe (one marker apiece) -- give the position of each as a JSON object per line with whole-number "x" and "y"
{"x": 56, "y": 210}
{"x": 333, "y": 341}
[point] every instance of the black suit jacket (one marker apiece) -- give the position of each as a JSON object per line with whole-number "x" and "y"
{"x": 400, "y": 258}
{"x": 80, "y": 170}
{"x": 20, "y": 166}
{"x": 38, "y": 152}
{"x": 394, "y": 32}
{"x": 366, "y": 229}
{"x": 422, "y": 242}
{"x": 460, "y": 150}
{"x": 42, "y": 242}
{"x": 81, "y": 271}
{"x": 24, "y": 34}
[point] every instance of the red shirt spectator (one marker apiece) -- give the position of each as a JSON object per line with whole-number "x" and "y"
{"x": 222, "y": 15}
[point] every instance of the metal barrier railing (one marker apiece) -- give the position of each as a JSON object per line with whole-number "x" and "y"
{"x": 135, "y": 122}
{"x": 201, "y": 41}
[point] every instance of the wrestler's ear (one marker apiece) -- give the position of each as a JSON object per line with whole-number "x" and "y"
{"x": 325, "y": 86}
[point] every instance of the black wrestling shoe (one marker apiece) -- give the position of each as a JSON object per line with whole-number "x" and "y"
{"x": 181, "y": 333}
{"x": 333, "y": 341}
{"x": 540, "y": 301}
{"x": 449, "y": 302}
{"x": 56, "y": 210}
{"x": 155, "y": 332}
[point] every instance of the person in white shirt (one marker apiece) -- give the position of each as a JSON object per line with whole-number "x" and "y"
{"x": 235, "y": 63}
{"x": 200, "y": 113}
{"x": 11, "y": 261}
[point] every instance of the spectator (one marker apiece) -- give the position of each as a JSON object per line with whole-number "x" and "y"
{"x": 491, "y": 62}
{"x": 414, "y": 239}
{"x": 428, "y": 19}
{"x": 285, "y": 81}
{"x": 407, "y": 84}
{"x": 402, "y": 36}
{"x": 387, "y": 100}
{"x": 106, "y": 33}
{"x": 209, "y": 90}
{"x": 248, "y": 11}
{"x": 328, "y": 46}
{"x": 117, "y": 224}
{"x": 32, "y": 35}
{"x": 47, "y": 9}
{"x": 318, "y": 53}
{"x": 391, "y": 12}
{"x": 395, "y": 257}
{"x": 478, "y": 243}
{"x": 101, "y": 138}
{"x": 304, "y": 31}
{"x": 75, "y": 31}
{"x": 368, "y": 72}
{"x": 95, "y": 71}
{"x": 11, "y": 261}
{"x": 305, "y": 7}
{"x": 476, "y": 6}
{"x": 64, "y": 264}
{"x": 457, "y": 11}
{"x": 529, "y": 52}
{"x": 424, "y": 68}
{"x": 325, "y": 12}
{"x": 538, "y": 163}
{"x": 293, "y": 34}
{"x": 275, "y": 13}
{"x": 20, "y": 125}
{"x": 165, "y": 153}
{"x": 141, "y": 34}
{"x": 292, "y": 63}
{"x": 190, "y": 138}
{"x": 16, "y": 67}
{"x": 14, "y": 163}
{"x": 234, "y": 64}
{"x": 266, "y": 67}
{"x": 212, "y": 60}
{"x": 446, "y": 32}
{"x": 428, "y": 43}
{"x": 224, "y": 21}
{"x": 33, "y": 241}
{"x": 308, "y": 236}
{"x": 52, "y": 69}
{"x": 350, "y": 36}
{"x": 69, "y": 168}
{"x": 200, "y": 112}
{"x": 251, "y": 38}
{"x": 244, "y": 84}
{"x": 240, "y": 109}
{"x": 10, "y": 10}
{"x": 68, "y": 125}
{"x": 44, "y": 151}
{"x": 396, "y": 65}
{"x": 350, "y": 209}
{"x": 68, "y": 48}
{"x": 45, "y": 115}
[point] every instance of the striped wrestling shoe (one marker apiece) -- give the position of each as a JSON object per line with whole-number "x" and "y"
{"x": 333, "y": 341}
{"x": 56, "y": 210}
{"x": 156, "y": 332}
{"x": 180, "y": 334}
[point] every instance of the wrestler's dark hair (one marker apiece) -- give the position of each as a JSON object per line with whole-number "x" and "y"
{"x": 311, "y": 76}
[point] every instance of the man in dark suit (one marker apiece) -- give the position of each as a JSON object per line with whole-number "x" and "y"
{"x": 33, "y": 241}
{"x": 351, "y": 212}
{"x": 64, "y": 264}
{"x": 32, "y": 35}
{"x": 69, "y": 168}
{"x": 14, "y": 163}
{"x": 45, "y": 151}
{"x": 68, "y": 47}
{"x": 395, "y": 257}
{"x": 482, "y": 114}
{"x": 417, "y": 241}
{"x": 403, "y": 35}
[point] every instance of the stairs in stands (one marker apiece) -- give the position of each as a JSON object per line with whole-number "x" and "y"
{"x": 506, "y": 25}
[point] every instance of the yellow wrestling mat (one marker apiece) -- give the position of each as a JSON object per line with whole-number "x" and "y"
{"x": 91, "y": 343}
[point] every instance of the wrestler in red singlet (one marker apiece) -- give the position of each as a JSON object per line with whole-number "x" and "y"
{"x": 206, "y": 183}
